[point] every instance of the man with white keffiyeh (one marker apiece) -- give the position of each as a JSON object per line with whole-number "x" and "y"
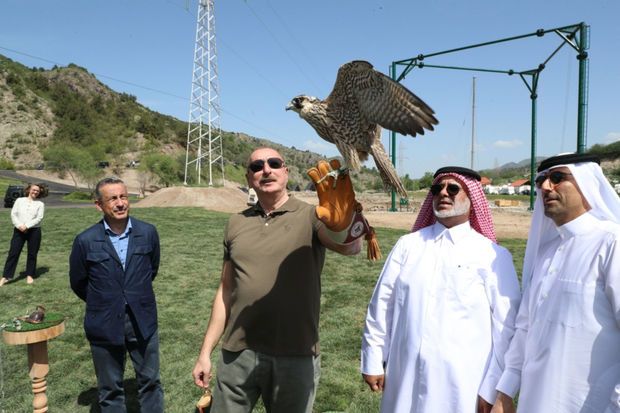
{"x": 565, "y": 354}
{"x": 442, "y": 313}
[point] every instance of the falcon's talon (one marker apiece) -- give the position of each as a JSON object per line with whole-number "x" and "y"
{"x": 343, "y": 170}
{"x": 334, "y": 173}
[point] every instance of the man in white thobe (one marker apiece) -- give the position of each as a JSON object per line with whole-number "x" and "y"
{"x": 442, "y": 313}
{"x": 565, "y": 354}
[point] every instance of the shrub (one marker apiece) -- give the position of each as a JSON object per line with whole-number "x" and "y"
{"x": 6, "y": 164}
{"x": 78, "y": 196}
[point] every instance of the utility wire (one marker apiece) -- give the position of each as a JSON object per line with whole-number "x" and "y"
{"x": 142, "y": 87}
{"x": 31, "y": 56}
{"x": 255, "y": 70}
{"x": 250, "y": 123}
{"x": 248, "y": 64}
{"x": 99, "y": 75}
{"x": 299, "y": 44}
{"x": 286, "y": 52}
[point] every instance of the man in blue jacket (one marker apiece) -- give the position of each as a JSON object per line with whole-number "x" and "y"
{"x": 112, "y": 266}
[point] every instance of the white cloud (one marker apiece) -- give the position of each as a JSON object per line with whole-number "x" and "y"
{"x": 502, "y": 144}
{"x": 320, "y": 146}
{"x": 447, "y": 158}
{"x": 612, "y": 137}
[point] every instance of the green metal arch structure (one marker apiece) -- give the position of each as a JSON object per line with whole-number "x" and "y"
{"x": 576, "y": 36}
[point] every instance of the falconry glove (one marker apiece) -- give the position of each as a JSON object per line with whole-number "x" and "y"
{"x": 338, "y": 209}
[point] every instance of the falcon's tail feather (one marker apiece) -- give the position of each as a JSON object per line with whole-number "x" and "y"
{"x": 389, "y": 176}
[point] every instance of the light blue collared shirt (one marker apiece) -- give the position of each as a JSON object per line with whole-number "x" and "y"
{"x": 119, "y": 242}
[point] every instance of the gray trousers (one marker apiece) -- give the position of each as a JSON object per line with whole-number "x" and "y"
{"x": 287, "y": 384}
{"x": 109, "y": 364}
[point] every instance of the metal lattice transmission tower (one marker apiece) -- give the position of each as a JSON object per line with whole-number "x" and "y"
{"x": 204, "y": 135}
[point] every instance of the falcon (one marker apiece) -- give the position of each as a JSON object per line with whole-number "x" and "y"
{"x": 364, "y": 100}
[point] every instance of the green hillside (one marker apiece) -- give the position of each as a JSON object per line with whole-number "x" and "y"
{"x": 65, "y": 119}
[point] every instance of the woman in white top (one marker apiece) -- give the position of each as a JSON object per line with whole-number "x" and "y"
{"x": 27, "y": 214}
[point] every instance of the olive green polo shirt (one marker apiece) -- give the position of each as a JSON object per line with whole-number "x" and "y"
{"x": 277, "y": 261}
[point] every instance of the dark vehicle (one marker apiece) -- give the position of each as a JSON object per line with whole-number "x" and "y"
{"x": 12, "y": 193}
{"x": 103, "y": 164}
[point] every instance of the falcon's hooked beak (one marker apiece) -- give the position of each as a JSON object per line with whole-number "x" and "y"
{"x": 294, "y": 104}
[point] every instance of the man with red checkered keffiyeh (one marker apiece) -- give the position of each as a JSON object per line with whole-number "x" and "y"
{"x": 443, "y": 311}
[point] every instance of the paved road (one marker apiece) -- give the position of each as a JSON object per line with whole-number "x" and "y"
{"x": 56, "y": 190}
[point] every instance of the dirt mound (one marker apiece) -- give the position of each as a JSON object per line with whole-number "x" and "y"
{"x": 509, "y": 222}
{"x": 216, "y": 199}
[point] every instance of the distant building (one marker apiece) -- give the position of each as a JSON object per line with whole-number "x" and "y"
{"x": 520, "y": 182}
{"x": 507, "y": 190}
{"x": 522, "y": 186}
{"x": 486, "y": 182}
{"x": 491, "y": 189}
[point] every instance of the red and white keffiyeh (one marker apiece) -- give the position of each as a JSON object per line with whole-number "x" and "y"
{"x": 479, "y": 216}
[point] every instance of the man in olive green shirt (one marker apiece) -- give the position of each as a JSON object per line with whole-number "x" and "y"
{"x": 267, "y": 305}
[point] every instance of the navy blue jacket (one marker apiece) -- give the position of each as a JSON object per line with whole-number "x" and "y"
{"x": 97, "y": 277}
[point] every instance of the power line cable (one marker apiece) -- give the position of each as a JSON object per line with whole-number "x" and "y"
{"x": 248, "y": 64}
{"x": 141, "y": 87}
{"x": 247, "y": 122}
{"x": 256, "y": 71}
{"x": 98, "y": 74}
{"x": 286, "y": 52}
{"x": 31, "y": 56}
{"x": 299, "y": 44}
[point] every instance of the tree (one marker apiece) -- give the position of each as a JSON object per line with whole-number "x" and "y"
{"x": 426, "y": 181}
{"x": 76, "y": 162}
{"x": 165, "y": 168}
{"x": 409, "y": 184}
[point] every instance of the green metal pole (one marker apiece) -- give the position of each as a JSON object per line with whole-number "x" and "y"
{"x": 582, "y": 110}
{"x": 534, "y": 97}
{"x": 393, "y": 136}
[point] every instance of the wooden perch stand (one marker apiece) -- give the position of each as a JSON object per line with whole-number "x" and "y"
{"x": 37, "y": 358}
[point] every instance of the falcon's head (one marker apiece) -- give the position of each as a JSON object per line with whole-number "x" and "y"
{"x": 300, "y": 102}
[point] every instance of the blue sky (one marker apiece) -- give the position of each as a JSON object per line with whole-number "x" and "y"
{"x": 272, "y": 50}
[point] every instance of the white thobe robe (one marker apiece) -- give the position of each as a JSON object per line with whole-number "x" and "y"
{"x": 566, "y": 348}
{"x": 440, "y": 319}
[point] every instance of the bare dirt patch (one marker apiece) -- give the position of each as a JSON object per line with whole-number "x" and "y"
{"x": 215, "y": 199}
{"x": 511, "y": 222}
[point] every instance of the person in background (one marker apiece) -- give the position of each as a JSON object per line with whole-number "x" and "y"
{"x": 267, "y": 305}
{"x": 26, "y": 215}
{"x": 112, "y": 267}
{"x": 565, "y": 354}
{"x": 442, "y": 313}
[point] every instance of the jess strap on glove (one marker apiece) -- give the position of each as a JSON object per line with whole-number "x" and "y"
{"x": 338, "y": 209}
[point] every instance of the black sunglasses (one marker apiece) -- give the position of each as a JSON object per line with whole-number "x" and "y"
{"x": 554, "y": 177}
{"x": 259, "y": 164}
{"x": 452, "y": 189}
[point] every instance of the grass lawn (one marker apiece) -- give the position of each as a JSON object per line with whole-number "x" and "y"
{"x": 188, "y": 278}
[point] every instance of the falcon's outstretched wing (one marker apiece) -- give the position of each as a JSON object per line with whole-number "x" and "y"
{"x": 380, "y": 100}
